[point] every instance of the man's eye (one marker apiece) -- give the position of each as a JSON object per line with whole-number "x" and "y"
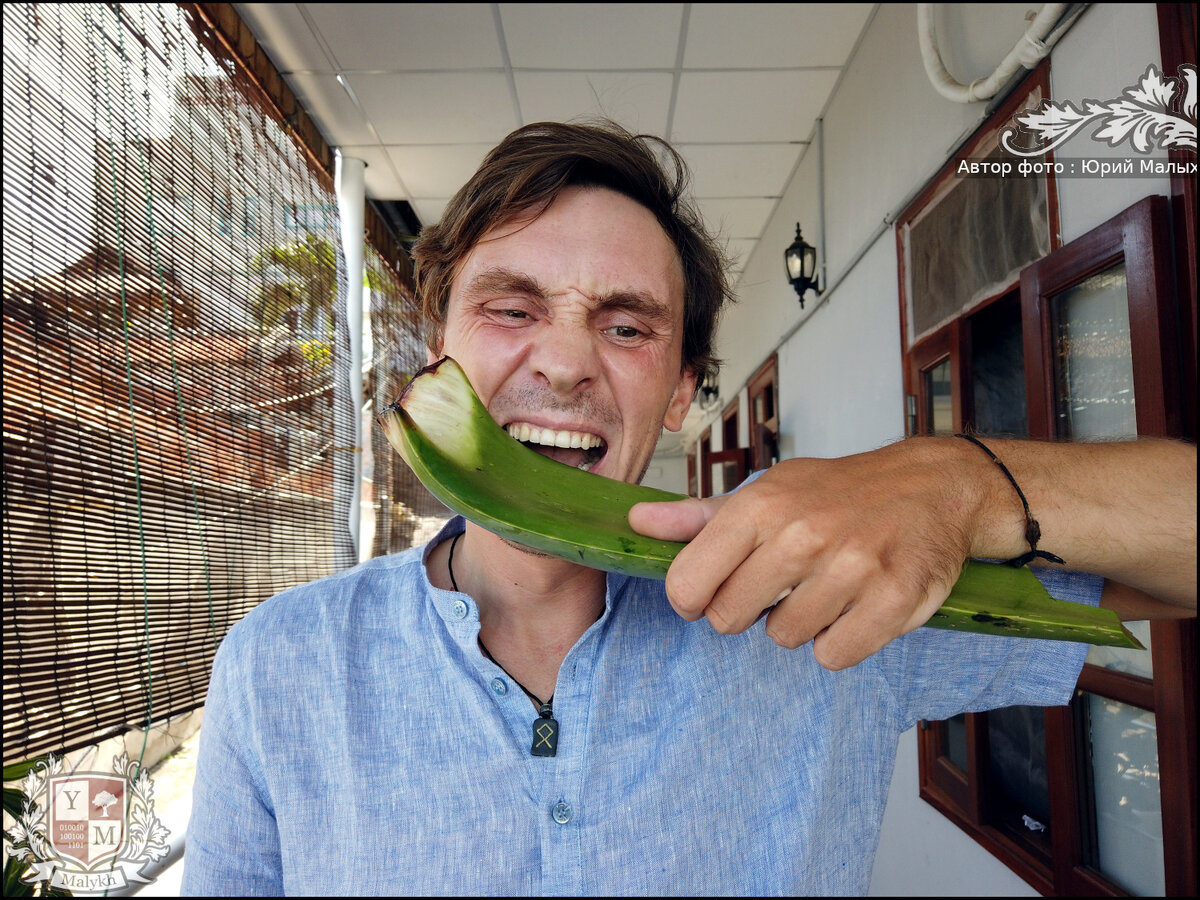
{"x": 623, "y": 331}
{"x": 514, "y": 314}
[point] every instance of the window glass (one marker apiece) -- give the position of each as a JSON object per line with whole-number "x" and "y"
{"x": 1122, "y": 659}
{"x": 939, "y": 412}
{"x": 1093, "y": 359}
{"x": 998, "y": 403}
{"x": 973, "y": 238}
{"x": 1018, "y": 790}
{"x": 1125, "y": 789}
{"x": 956, "y": 741}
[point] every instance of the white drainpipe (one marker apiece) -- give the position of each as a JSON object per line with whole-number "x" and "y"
{"x": 351, "y": 197}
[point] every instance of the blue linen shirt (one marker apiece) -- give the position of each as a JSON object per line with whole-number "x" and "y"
{"x": 356, "y": 741}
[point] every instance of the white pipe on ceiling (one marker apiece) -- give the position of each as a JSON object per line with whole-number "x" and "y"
{"x": 1032, "y": 47}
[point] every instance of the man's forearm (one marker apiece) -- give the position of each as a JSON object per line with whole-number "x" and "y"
{"x": 1125, "y": 510}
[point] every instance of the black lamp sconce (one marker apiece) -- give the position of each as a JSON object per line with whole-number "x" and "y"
{"x": 801, "y": 261}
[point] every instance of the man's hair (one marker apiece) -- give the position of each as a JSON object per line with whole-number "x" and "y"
{"x": 523, "y": 175}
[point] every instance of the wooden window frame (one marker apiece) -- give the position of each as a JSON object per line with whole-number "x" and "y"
{"x": 1139, "y": 238}
{"x": 705, "y": 453}
{"x": 1177, "y": 38}
{"x": 942, "y": 346}
{"x": 1163, "y": 347}
{"x": 735, "y": 456}
{"x": 767, "y": 375}
{"x": 1135, "y": 237}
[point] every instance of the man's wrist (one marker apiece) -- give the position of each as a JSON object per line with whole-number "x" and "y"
{"x": 997, "y": 517}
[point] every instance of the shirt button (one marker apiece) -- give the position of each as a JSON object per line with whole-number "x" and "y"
{"x": 499, "y": 688}
{"x": 460, "y": 609}
{"x": 561, "y": 812}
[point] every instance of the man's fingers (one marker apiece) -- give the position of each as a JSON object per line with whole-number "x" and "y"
{"x": 673, "y": 520}
{"x": 868, "y": 623}
{"x": 852, "y": 637}
{"x": 766, "y": 577}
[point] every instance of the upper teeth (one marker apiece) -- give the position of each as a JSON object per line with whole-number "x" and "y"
{"x": 549, "y": 437}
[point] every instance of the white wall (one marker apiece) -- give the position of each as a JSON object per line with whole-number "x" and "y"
{"x": 667, "y": 473}
{"x": 886, "y": 132}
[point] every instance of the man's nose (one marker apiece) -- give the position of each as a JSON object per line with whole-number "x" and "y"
{"x": 565, "y": 356}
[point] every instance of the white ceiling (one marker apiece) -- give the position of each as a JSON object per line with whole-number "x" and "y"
{"x": 421, "y": 91}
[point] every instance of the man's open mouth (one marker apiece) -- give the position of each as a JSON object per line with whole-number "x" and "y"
{"x": 580, "y": 449}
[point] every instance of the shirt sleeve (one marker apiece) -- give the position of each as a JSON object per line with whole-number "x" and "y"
{"x": 935, "y": 674}
{"x": 232, "y": 844}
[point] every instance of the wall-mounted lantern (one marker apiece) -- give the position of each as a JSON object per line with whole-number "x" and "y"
{"x": 801, "y": 261}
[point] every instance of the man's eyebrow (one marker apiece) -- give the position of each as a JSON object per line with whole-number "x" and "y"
{"x": 639, "y": 303}
{"x": 498, "y": 280}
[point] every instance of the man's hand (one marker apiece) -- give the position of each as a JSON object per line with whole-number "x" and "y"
{"x": 852, "y": 552}
{"x": 856, "y": 551}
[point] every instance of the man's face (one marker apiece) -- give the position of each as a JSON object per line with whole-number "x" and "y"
{"x": 570, "y": 328}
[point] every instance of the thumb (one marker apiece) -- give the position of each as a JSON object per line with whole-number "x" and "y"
{"x": 673, "y": 520}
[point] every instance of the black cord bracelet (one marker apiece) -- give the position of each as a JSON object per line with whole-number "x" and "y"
{"x": 1033, "y": 531}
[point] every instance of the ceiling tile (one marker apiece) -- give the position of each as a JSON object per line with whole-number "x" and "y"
{"x": 430, "y": 79}
{"x": 740, "y": 170}
{"x": 735, "y": 218}
{"x": 592, "y": 35}
{"x": 772, "y": 35}
{"x": 285, "y": 36}
{"x": 750, "y": 106}
{"x": 424, "y": 108}
{"x": 380, "y": 178}
{"x": 437, "y": 171}
{"x": 336, "y": 115}
{"x": 638, "y": 100}
{"x": 395, "y": 37}
{"x": 429, "y": 211}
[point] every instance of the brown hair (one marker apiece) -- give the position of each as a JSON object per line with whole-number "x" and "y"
{"x": 527, "y": 170}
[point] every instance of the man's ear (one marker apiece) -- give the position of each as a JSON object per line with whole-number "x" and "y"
{"x": 681, "y": 400}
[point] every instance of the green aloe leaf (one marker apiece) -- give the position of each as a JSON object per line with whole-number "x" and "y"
{"x": 467, "y": 461}
{"x": 998, "y": 599}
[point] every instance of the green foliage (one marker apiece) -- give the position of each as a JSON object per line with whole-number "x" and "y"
{"x": 12, "y": 801}
{"x": 14, "y": 867}
{"x": 318, "y": 353}
{"x": 301, "y": 276}
{"x": 15, "y": 887}
{"x": 17, "y": 771}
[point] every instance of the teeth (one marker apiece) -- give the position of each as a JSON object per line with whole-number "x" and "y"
{"x": 548, "y": 437}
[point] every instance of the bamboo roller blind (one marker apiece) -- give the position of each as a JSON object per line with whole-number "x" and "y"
{"x": 171, "y": 313}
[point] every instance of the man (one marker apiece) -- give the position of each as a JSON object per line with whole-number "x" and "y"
{"x": 475, "y": 717}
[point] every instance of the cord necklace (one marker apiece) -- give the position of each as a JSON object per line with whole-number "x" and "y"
{"x": 545, "y": 726}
